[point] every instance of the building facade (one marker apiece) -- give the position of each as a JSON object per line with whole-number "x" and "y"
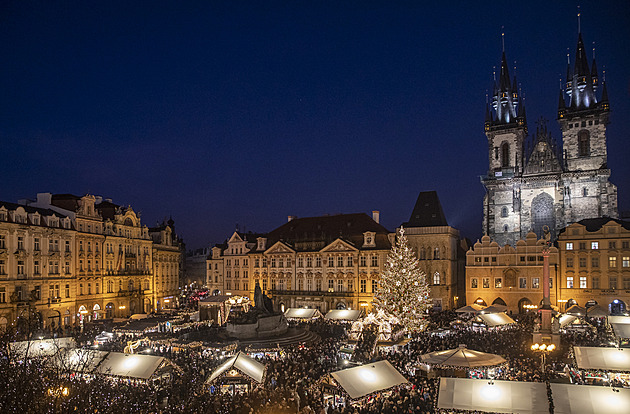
{"x": 68, "y": 260}
{"x": 328, "y": 262}
{"x": 536, "y": 183}
{"x": 510, "y": 276}
{"x": 167, "y": 265}
{"x": 595, "y": 264}
{"x": 438, "y": 249}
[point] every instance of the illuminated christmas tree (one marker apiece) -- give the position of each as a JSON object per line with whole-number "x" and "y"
{"x": 403, "y": 289}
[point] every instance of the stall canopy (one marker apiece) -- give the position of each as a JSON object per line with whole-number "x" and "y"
{"x": 622, "y": 330}
{"x": 137, "y": 366}
{"x": 576, "y": 310}
{"x": 80, "y": 360}
{"x": 619, "y": 319}
{"x": 567, "y": 320}
{"x": 474, "y": 308}
{"x": 609, "y": 359}
{"x": 462, "y": 357}
{"x": 343, "y": 315}
{"x": 495, "y": 319}
{"x": 244, "y": 364}
{"x": 40, "y": 347}
{"x": 589, "y": 399}
{"x": 302, "y": 313}
{"x": 493, "y": 396}
{"x": 494, "y": 309}
{"x": 367, "y": 379}
{"x": 596, "y": 312}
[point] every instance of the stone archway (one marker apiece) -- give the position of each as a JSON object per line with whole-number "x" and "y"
{"x": 522, "y": 305}
{"x": 341, "y": 305}
{"x": 617, "y": 307}
{"x": 543, "y": 214}
{"x": 481, "y": 302}
{"x": 499, "y": 301}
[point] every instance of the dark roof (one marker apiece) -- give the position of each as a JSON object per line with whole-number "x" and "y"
{"x": 427, "y": 211}
{"x": 29, "y": 209}
{"x": 314, "y": 233}
{"x": 594, "y": 224}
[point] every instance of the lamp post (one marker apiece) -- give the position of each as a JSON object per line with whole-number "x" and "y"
{"x": 544, "y": 350}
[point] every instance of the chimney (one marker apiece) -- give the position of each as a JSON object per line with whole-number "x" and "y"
{"x": 291, "y": 218}
{"x": 376, "y": 216}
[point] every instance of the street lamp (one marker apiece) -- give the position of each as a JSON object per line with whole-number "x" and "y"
{"x": 544, "y": 350}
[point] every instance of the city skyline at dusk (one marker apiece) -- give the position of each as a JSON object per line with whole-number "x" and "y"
{"x": 220, "y": 114}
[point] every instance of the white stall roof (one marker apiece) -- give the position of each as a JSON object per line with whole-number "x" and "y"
{"x": 589, "y": 399}
{"x": 243, "y": 363}
{"x": 129, "y": 365}
{"x": 462, "y": 357}
{"x": 41, "y": 347}
{"x": 493, "y": 396}
{"x": 495, "y": 319}
{"x": 567, "y": 320}
{"x": 80, "y": 360}
{"x": 343, "y": 315}
{"x": 622, "y": 330}
{"x": 367, "y": 379}
{"x": 474, "y": 308}
{"x": 302, "y": 313}
{"x": 619, "y": 319}
{"x": 617, "y": 359}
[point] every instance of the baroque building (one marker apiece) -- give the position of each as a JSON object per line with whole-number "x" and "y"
{"x": 536, "y": 183}
{"x": 439, "y": 250}
{"x": 70, "y": 259}
{"x": 327, "y": 262}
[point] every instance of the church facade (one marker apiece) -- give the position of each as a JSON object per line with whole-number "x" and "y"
{"x": 534, "y": 183}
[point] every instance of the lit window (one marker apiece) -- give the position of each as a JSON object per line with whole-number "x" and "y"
{"x": 535, "y": 283}
{"x": 569, "y": 246}
{"x": 473, "y": 283}
{"x": 436, "y": 278}
{"x": 582, "y": 282}
{"x": 625, "y": 262}
{"x": 498, "y": 283}
{"x": 594, "y": 245}
{"x": 612, "y": 261}
{"x": 569, "y": 282}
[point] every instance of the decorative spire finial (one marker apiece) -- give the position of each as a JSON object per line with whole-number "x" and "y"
{"x": 503, "y": 37}
{"x": 593, "y": 50}
{"x": 579, "y": 23}
{"x": 568, "y": 58}
{"x": 494, "y": 73}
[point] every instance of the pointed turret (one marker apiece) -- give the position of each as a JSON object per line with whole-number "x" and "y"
{"x": 581, "y": 89}
{"x": 505, "y": 96}
{"x": 562, "y": 108}
{"x": 605, "y": 103}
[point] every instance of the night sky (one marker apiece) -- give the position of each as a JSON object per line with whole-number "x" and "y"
{"x": 220, "y": 113}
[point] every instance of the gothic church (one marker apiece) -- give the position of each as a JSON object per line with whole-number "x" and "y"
{"x": 533, "y": 183}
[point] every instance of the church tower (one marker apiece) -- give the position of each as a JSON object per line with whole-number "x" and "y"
{"x": 583, "y": 120}
{"x": 506, "y": 130}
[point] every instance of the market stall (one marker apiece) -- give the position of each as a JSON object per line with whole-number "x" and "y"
{"x": 492, "y": 320}
{"x": 492, "y": 396}
{"x": 473, "y": 363}
{"x": 474, "y": 308}
{"x": 40, "y": 347}
{"x": 238, "y": 374}
{"x": 603, "y": 365}
{"x": 589, "y": 399}
{"x": 343, "y": 315}
{"x": 302, "y": 314}
{"x": 341, "y": 388}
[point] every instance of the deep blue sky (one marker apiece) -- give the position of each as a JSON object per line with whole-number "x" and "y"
{"x": 230, "y": 112}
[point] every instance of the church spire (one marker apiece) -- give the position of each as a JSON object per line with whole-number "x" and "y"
{"x": 505, "y": 97}
{"x": 581, "y": 84}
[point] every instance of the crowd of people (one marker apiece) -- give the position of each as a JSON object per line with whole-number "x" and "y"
{"x": 292, "y": 381}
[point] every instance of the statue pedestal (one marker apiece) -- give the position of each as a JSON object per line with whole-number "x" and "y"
{"x": 546, "y": 335}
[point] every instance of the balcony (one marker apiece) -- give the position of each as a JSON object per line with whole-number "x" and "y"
{"x": 311, "y": 293}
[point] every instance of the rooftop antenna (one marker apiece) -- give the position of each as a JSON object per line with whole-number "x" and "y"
{"x": 503, "y": 37}
{"x": 579, "y": 22}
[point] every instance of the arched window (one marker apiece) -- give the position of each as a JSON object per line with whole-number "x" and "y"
{"x": 584, "y": 143}
{"x": 422, "y": 253}
{"x": 436, "y": 278}
{"x": 436, "y": 253}
{"x": 505, "y": 155}
{"x": 504, "y": 212}
{"x": 584, "y": 192}
{"x": 505, "y": 228}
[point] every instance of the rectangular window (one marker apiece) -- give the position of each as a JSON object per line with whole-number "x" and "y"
{"x": 3, "y": 295}
{"x": 350, "y": 285}
{"x": 2, "y": 242}
{"x": 374, "y": 261}
{"x": 273, "y": 262}
{"x": 594, "y": 245}
{"x": 582, "y": 245}
{"x": 582, "y": 261}
{"x": 3, "y": 269}
{"x": 256, "y": 262}
{"x": 594, "y": 261}
{"x": 522, "y": 258}
{"x": 51, "y": 291}
{"x": 36, "y": 267}
{"x": 349, "y": 262}
{"x": 374, "y": 286}
{"x": 362, "y": 261}
{"x": 318, "y": 285}
{"x": 612, "y": 282}
{"x": 309, "y": 284}
{"x": 280, "y": 262}
{"x": 288, "y": 262}
{"x": 625, "y": 261}
{"x": 498, "y": 282}
{"x": 595, "y": 281}
{"x": 20, "y": 243}
{"x": 36, "y": 244}
{"x": 331, "y": 285}
{"x": 612, "y": 245}
{"x": 264, "y": 286}
{"x": 626, "y": 283}
{"x": 264, "y": 262}
{"x": 67, "y": 291}
{"x": 331, "y": 261}
{"x": 570, "y": 282}
{"x": 363, "y": 286}
{"x": 612, "y": 262}
{"x": 67, "y": 246}
{"x": 569, "y": 262}
{"x": 522, "y": 283}
{"x": 486, "y": 283}
{"x": 582, "y": 282}
{"x": 300, "y": 262}
{"x": 550, "y": 282}
{"x": 340, "y": 285}
{"x": 339, "y": 261}
{"x": 569, "y": 246}
{"x": 473, "y": 283}
{"x": 309, "y": 262}
{"x": 535, "y": 283}
{"x": 20, "y": 267}
{"x": 625, "y": 244}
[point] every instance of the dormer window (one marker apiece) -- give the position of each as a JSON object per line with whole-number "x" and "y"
{"x": 369, "y": 239}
